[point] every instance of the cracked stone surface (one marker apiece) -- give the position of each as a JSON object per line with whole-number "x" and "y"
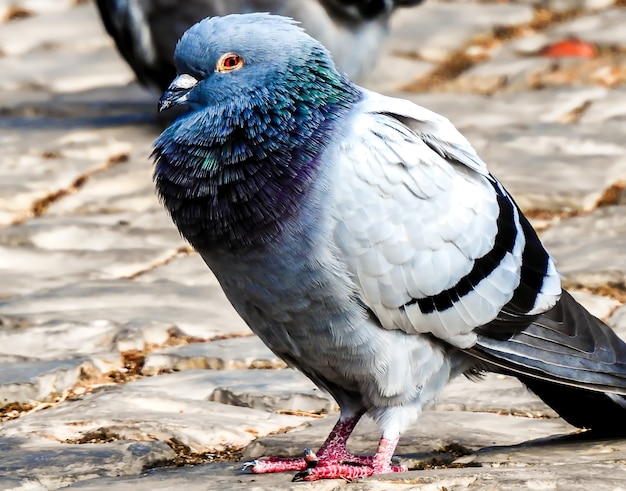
{"x": 122, "y": 365}
{"x": 227, "y": 354}
{"x": 127, "y": 412}
{"x": 33, "y": 463}
{"x": 585, "y": 247}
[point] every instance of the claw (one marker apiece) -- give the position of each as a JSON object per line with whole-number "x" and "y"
{"x": 302, "y": 475}
{"x": 249, "y": 465}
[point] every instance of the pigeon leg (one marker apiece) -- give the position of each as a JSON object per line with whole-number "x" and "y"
{"x": 333, "y": 450}
{"x": 380, "y": 463}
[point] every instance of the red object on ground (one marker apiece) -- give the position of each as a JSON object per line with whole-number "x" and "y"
{"x": 570, "y": 47}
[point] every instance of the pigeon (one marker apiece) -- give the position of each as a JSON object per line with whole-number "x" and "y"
{"x": 146, "y": 31}
{"x": 365, "y": 242}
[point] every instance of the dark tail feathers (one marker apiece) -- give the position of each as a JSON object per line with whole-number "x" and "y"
{"x": 602, "y": 412}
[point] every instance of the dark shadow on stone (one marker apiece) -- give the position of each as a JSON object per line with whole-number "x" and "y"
{"x": 105, "y": 106}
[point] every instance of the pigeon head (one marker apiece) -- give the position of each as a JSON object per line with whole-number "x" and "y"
{"x": 264, "y": 101}
{"x": 222, "y": 59}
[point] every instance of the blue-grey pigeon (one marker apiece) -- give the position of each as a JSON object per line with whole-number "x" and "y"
{"x": 146, "y": 31}
{"x": 365, "y": 242}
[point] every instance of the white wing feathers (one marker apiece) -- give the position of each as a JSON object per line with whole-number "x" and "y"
{"x": 431, "y": 239}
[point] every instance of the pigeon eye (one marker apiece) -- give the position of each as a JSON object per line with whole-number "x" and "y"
{"x": 229, "y": 62}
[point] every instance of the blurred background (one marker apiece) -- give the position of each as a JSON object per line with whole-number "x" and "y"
{"x": 119, "y": 356}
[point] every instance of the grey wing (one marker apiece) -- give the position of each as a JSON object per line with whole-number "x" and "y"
{"x": 436, "y": 245}
{"x": 566, "y": 345}
{"x": 433, "y": 242}
{"x": 569, "y": 358}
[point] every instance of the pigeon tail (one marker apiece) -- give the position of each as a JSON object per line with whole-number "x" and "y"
{"x": 570, "y": 359}
{"x": 602, "y": 412}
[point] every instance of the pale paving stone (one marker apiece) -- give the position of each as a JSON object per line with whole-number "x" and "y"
{"x": 123, "y": 188}
{"x": 27, "y": 269}
{"x": 128, "y": 412}
{"x": 529, "y": 45}
{"x": 501, "y": 74}
{"x": 603, "y": 27}
{"x": 221, "y": 476}
{"x": 194, "y": 385}
{"x": 196, "y": 311}
{"x": 392, "y": 72}
{"x": 560, "y": 183}
{"x": 574, "y": 477}
{"x": 590, "y": 248}
{"x": 514, "y": 65}
{"x": 41, "y": 463}
{"x": 90, "y": 233}
{"x": 227, "y": 354}
{"x": 87, "y": 70}
{"x": 17, "y": 484}
{"x": 52, "y": 251}
{"x": 611, "y": 107}
{"x": 618, "y": 321}
{"x": 39, "y": 6}
{"x": 581, "y": 449}
{"x": 565, "y": 5}
{"x": 554, "y": 167}
{"x": 601, "y": 307}
{"x": 493, "y": 393}
{"x": 76, "y": 29}
{"x": 36, "y": 163}
{"x": 116, "y": 190}
{"x": 153, "y": 218}
{"x": 29, "y": 381}
{"x": 477, "y": 112}
{"x": 189, "y": 270}
{"x": 27, "y": 102}
{"x": 418, "y": 31}
{"x": 139, "y": 334}
{"x": 266, "y": 390}
{"x": 60, "y": 340}
{"x": 271, "y": 390}
{"x": 57, "y": 339}
{"x": 564, "y": 140}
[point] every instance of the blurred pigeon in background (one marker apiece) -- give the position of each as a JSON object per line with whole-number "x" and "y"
{"x": 365, "y": 242}
{"x": 146, "y": 31}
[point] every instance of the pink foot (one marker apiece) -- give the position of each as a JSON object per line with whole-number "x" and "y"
{"x": 266, "y": 465}
{"x": 355, "y": 468}
{"x": 333, "y": 450}
{"x": 333, "y": 460}
{"x": 345, "y": 471}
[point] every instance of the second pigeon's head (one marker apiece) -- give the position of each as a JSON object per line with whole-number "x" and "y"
{"x": 221, "y": 59}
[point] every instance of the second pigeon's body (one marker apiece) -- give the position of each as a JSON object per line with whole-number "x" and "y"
{"x": 365, "y": 242}
{"x": 146, "y": 31}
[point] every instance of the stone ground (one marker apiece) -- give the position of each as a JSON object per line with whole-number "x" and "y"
{"x": 123, "y": 367}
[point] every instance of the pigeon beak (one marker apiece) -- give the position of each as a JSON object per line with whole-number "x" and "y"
{"x": 178, "y": 92}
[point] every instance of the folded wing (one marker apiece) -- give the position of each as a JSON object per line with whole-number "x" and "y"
{"x": 436, "y": 245}
{"x": 433, "y": 241}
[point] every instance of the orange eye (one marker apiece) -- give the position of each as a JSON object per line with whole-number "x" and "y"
{"x": 229, "y": 62}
